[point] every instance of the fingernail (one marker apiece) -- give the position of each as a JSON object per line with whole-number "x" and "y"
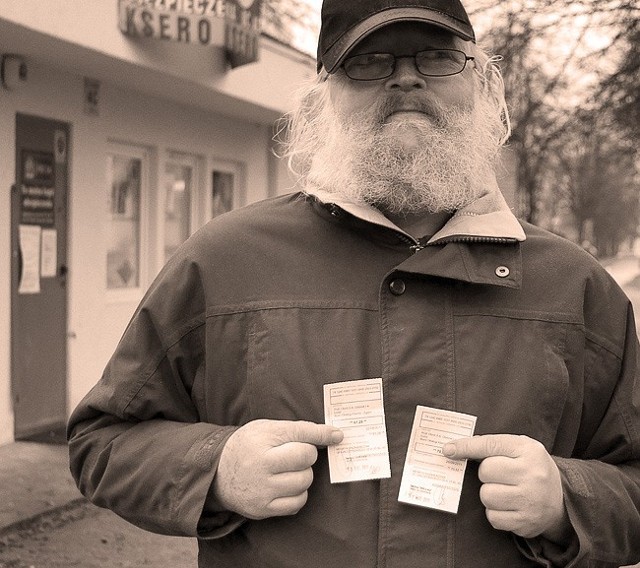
{"x": 337, "y": 436}
{"x": 449, "y": 450}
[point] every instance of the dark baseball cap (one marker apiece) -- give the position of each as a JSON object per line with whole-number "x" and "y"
{"x": 346, "y": 22}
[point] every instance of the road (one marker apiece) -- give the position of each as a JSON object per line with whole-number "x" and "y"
{"x": 87, "y": 537}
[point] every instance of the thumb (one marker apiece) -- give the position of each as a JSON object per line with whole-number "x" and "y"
{"x": 316, "y": 434}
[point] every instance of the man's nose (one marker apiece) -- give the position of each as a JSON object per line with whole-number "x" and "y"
{"x": 406, "y": 76}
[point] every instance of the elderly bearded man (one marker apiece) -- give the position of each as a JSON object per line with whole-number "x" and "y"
{"x": 401, "y": 264}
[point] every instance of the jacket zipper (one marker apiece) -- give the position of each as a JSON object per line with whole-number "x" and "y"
{"x": 417, "y": 245}
{"x": 414, "y": 244}
{"x": 472, "y": 239}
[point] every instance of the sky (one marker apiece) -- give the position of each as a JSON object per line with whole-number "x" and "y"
{"x": 306, "y": 41}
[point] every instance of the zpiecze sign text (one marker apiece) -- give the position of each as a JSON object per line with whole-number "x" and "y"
{"x": 232, "y": 24}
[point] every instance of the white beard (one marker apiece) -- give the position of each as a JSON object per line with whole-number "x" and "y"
{"x": 365, "y": 160}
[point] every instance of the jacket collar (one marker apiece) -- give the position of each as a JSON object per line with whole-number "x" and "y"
{"x": 489, "y": 218}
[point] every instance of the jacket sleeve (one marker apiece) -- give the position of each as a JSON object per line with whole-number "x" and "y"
{"x": 601, "y": 481}
{"x": 137, "y": 444}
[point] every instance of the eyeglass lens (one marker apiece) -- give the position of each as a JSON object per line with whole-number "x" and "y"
{"x": 432, "y": 63}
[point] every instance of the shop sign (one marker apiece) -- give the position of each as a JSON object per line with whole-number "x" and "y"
{"x": 37, "y": 192}
{"x": 231, "y": 24}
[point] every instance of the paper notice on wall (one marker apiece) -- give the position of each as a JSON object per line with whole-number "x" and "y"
{"x": 30, "y": 250}
{"x": 49, "y": 253}
{"x": 429, "y": 478}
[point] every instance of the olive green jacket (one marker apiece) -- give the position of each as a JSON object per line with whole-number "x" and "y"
{"x": 267, "y": 304}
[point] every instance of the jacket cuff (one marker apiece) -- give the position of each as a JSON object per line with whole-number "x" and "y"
{"x": 215, "y": 521}
{"x": 217, "y": 525}
{"x": 548, "y": 553}
{"x": 570, "y": 553}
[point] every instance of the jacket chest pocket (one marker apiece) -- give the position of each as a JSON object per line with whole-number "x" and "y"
{"x": 292, "y": 352}
{"x": 512, "y": 372}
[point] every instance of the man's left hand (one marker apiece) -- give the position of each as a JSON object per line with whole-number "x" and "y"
{"x": 522, "y": 489}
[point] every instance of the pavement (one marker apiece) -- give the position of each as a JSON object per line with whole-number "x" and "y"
{"x": 34, "y": 479}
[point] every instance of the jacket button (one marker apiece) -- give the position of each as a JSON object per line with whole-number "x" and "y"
{"x": 397, "y": 287}
{"x": 502, "y": 272}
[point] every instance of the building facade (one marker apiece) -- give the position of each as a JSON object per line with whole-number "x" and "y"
{"x": 125, "y": 127}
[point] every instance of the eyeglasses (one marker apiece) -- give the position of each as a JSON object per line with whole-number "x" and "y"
{"x": 431, "y": 63}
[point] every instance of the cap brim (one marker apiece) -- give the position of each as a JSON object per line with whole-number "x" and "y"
{"x": 334, "y": 56}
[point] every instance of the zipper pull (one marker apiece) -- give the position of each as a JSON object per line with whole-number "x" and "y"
{"x": 419, "y": 245}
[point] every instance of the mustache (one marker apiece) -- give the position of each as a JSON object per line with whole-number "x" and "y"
{"x": 395, "y": 102}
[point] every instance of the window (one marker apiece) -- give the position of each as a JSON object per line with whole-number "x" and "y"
{"x": 126, "y": 178}
{"x": 226, "y": 187}
{"x": 179, "y": 182}
{"x": 222, "y": 192}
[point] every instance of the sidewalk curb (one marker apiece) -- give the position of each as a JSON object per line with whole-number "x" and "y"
{"x": 25, "y": 524}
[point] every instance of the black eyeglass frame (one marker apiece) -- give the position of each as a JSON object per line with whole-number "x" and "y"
{"x": 414, "y": 56}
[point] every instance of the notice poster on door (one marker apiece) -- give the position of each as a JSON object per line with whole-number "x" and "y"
{"x": 37, "y": 199}
{"x": 30, "y": 236}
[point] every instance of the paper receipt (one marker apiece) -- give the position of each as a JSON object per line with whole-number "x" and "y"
{"x": 429, "y": 478}
{"x": 356, "y": 407}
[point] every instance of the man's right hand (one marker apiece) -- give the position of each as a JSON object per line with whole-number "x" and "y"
{"x": 265, "y": 466}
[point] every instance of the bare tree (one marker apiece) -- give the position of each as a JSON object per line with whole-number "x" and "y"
{"x": 285, "y": 19}
{"x": 621, "y": 89}
{"x": 596, "y": 182}
{"x": 562, "y": 90}
{"x": 532, "y": 91}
